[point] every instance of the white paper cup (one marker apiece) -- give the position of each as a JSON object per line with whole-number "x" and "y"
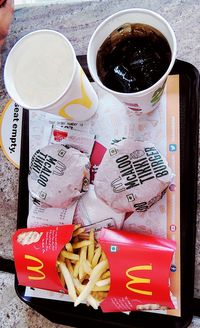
{"x": 146, "y": 100}
{"x": 42, "y": 73}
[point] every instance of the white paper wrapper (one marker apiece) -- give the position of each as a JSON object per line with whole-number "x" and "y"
{"x": 41, "y": 215}
{"x": 91, "y": 210}
{"x": 151, "y": 222}
{"x": 58, "y": 175}
{"x": 63, "y": 135}
{"x": 133, "y": 176}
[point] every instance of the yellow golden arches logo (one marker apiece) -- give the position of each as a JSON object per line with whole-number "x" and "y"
{"x": 36, "y": 269}
{"x": 83, "y": 101}
{"x": 138, "y": 280}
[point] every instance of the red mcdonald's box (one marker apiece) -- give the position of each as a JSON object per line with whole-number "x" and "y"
{"x": 139, "y": 265}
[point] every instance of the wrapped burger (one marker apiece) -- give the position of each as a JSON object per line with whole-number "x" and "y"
{"x": 58, "y": 175}
{"x": 132, "y": 176}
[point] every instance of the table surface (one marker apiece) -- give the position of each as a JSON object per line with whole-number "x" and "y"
{"x": 77, "y": 22}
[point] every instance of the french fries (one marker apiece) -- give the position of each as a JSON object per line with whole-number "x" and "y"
{"x": 83, "y": 268}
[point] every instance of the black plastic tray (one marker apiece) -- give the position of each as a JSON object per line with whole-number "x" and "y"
{"x": 64, "y": 312}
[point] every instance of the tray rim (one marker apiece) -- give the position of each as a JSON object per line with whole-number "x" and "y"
{"x": 193, "y": 71}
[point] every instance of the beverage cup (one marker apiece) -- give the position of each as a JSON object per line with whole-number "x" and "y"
{"x": 42, "y": 73}
{"x": 146, "y": 100}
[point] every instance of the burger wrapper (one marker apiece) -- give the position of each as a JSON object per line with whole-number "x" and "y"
{"x": 43, "y": 215}
{"x": 58, "y": 175}
{"x": 139, "y": 265}
{"x": 92, "y": 212}
{"x": 151, "y": 222}
{"x": 64, "y": 135}
{"x": 132, "y": 176}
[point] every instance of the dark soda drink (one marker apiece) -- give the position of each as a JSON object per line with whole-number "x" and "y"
{"x": 133, "y": 58}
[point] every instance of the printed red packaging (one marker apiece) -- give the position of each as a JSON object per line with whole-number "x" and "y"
{"x": 96, "y": 158}
{"x": 36, "y": 251}
{"x": 139, "y": 265}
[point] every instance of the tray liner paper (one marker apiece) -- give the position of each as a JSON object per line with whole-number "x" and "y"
{"x": 139, "y": 264}
{"x": 110, "y": 125}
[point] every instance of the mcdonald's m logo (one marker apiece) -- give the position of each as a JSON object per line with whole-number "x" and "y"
{"x": 35, "y": 269}
{"x": 138, "y": 280}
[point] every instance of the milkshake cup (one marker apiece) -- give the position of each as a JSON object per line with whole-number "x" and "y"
{"x": 42, "y": 73}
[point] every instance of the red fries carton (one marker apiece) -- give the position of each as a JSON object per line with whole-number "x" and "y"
{"x": 139, "y": 266}
{"x": 36, "y": 251}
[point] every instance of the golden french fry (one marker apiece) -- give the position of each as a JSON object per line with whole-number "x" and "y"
{"x": 68, "y": 281}
{"x": 103, "y": 256}
{"x": 103, "y": 282}
{"x": 91, "y": 246}
{"x": 78, "y": 231}
{"x": 96, "y": 256}
{"x": 69, "y": 266}
{"x": 95, "y": 275}
{"x": 76, "y": 269}
{"x": 90, "y": 299}
{"x": 61, "y": 258}
{"x": 87, "y": 267}
{"x": 81, "y": 244}
{"x": 105, "y": 275}
{"x": 69, "y": 255}
{"x": 84, "y": 269}
{"x": 57, "y": 265}
{"x": 84, "y": 278}
{"x": 69, "y": 247}
{"x": 99, "y": 296}
{"x": 83, "y": 252}
{"x": 84, "y": 236}
{"x": 93, "y": 302}
{"x": 73, "y": 262}
{"x": 105, "y": 288}
{"x": 78, "y": 285}
{"x": 77, "y": 226}
{"x": 75, "y": 239}
{"x": 81, "y": 272}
